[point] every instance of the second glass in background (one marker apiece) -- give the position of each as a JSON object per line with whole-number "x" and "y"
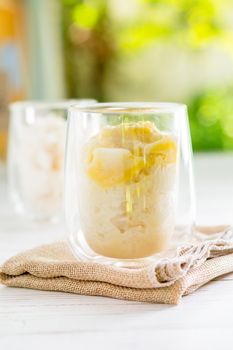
{"x": 36, "y": 156}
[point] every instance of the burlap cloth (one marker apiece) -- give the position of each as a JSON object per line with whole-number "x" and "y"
{"x": 53, "y": 267}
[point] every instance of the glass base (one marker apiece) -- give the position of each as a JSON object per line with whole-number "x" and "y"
{"x": 83, "y": 252}
{"x": 34, "y": 215}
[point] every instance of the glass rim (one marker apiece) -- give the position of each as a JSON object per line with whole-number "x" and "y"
{"x": 128, "y": 107}
{"x": 53, "y": 104}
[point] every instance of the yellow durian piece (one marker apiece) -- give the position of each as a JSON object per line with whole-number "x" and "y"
{"x": 123, "y": 153}
{"x": 113, "y": 166}
{"x": 144, "y": 132}
{"x": 165, "y": 148}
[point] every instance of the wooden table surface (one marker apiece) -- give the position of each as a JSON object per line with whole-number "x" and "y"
{"x": 31, "y": 319}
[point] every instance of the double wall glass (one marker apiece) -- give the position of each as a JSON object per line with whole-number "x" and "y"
{"x": 36, "y": 156}
{"x": 128, "y": 181}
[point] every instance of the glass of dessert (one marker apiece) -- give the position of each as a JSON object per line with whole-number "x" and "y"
{"x": 128, "y": 181}
{"x": 36, "y": 156}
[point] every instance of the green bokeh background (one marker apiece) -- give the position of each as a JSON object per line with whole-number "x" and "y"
{"x": 97, "y": 39}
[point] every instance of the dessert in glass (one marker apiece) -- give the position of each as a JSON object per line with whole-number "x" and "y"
{"x": 36, "y": 156}
{"x": 128, "y": 180}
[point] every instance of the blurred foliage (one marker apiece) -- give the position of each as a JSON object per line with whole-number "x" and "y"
{"x": 94, "y": 37}
{"x": 211, "y": 119}
{"x": 89, "y": 46}
{"x": 192, "y": 23}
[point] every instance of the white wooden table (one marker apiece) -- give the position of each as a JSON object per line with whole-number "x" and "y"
{"x": 31, "y": 319}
